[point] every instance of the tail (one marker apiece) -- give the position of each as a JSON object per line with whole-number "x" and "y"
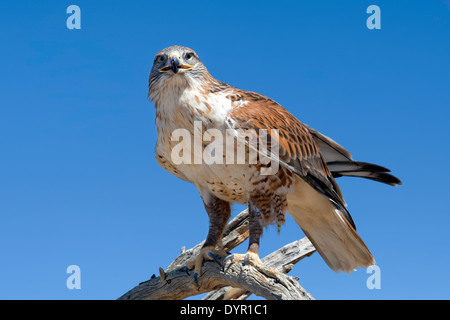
{"x": 325, "y": 224}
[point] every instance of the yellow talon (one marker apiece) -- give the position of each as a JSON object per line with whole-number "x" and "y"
{"x": 206, "y": 253}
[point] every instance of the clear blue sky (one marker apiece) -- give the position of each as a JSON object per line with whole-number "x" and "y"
{"x": 79, "y": 183}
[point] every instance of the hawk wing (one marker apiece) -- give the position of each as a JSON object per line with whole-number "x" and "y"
{"x": 297, "y": 152}
{"x": 340, "y": 162}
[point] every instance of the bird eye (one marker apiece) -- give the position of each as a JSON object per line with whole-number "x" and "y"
{"x": 189, "y": 55}
{"x": 160, "y": 58}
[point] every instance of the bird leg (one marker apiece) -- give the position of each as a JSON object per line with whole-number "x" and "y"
{"x": 219, "y": 212}
{"x": 251, "y": 257}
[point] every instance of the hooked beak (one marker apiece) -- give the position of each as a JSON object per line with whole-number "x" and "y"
{"x": 175, "y": 64}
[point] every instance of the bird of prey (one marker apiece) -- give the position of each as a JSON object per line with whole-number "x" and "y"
{"x": 184, "y": 92}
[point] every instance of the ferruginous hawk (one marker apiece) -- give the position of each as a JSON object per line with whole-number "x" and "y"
{"x": 185, "y": 95}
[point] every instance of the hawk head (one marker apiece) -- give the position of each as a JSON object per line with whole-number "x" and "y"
{"x": 176, "y": 67}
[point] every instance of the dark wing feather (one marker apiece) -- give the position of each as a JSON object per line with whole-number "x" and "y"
{"x": 341, "y": 163}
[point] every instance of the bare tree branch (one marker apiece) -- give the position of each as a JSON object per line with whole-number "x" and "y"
{"x": 282, "y": 260}
{"x": 179, "y": 284}
{"x": 233, "y": 281}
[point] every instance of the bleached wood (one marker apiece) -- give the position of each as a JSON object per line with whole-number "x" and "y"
{"x": 282, "y": 260}
{"x": 176, "y": 282}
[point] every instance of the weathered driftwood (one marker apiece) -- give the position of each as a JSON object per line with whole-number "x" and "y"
{"x": 233, "y": 281}
{"x": 282, "y": 260}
